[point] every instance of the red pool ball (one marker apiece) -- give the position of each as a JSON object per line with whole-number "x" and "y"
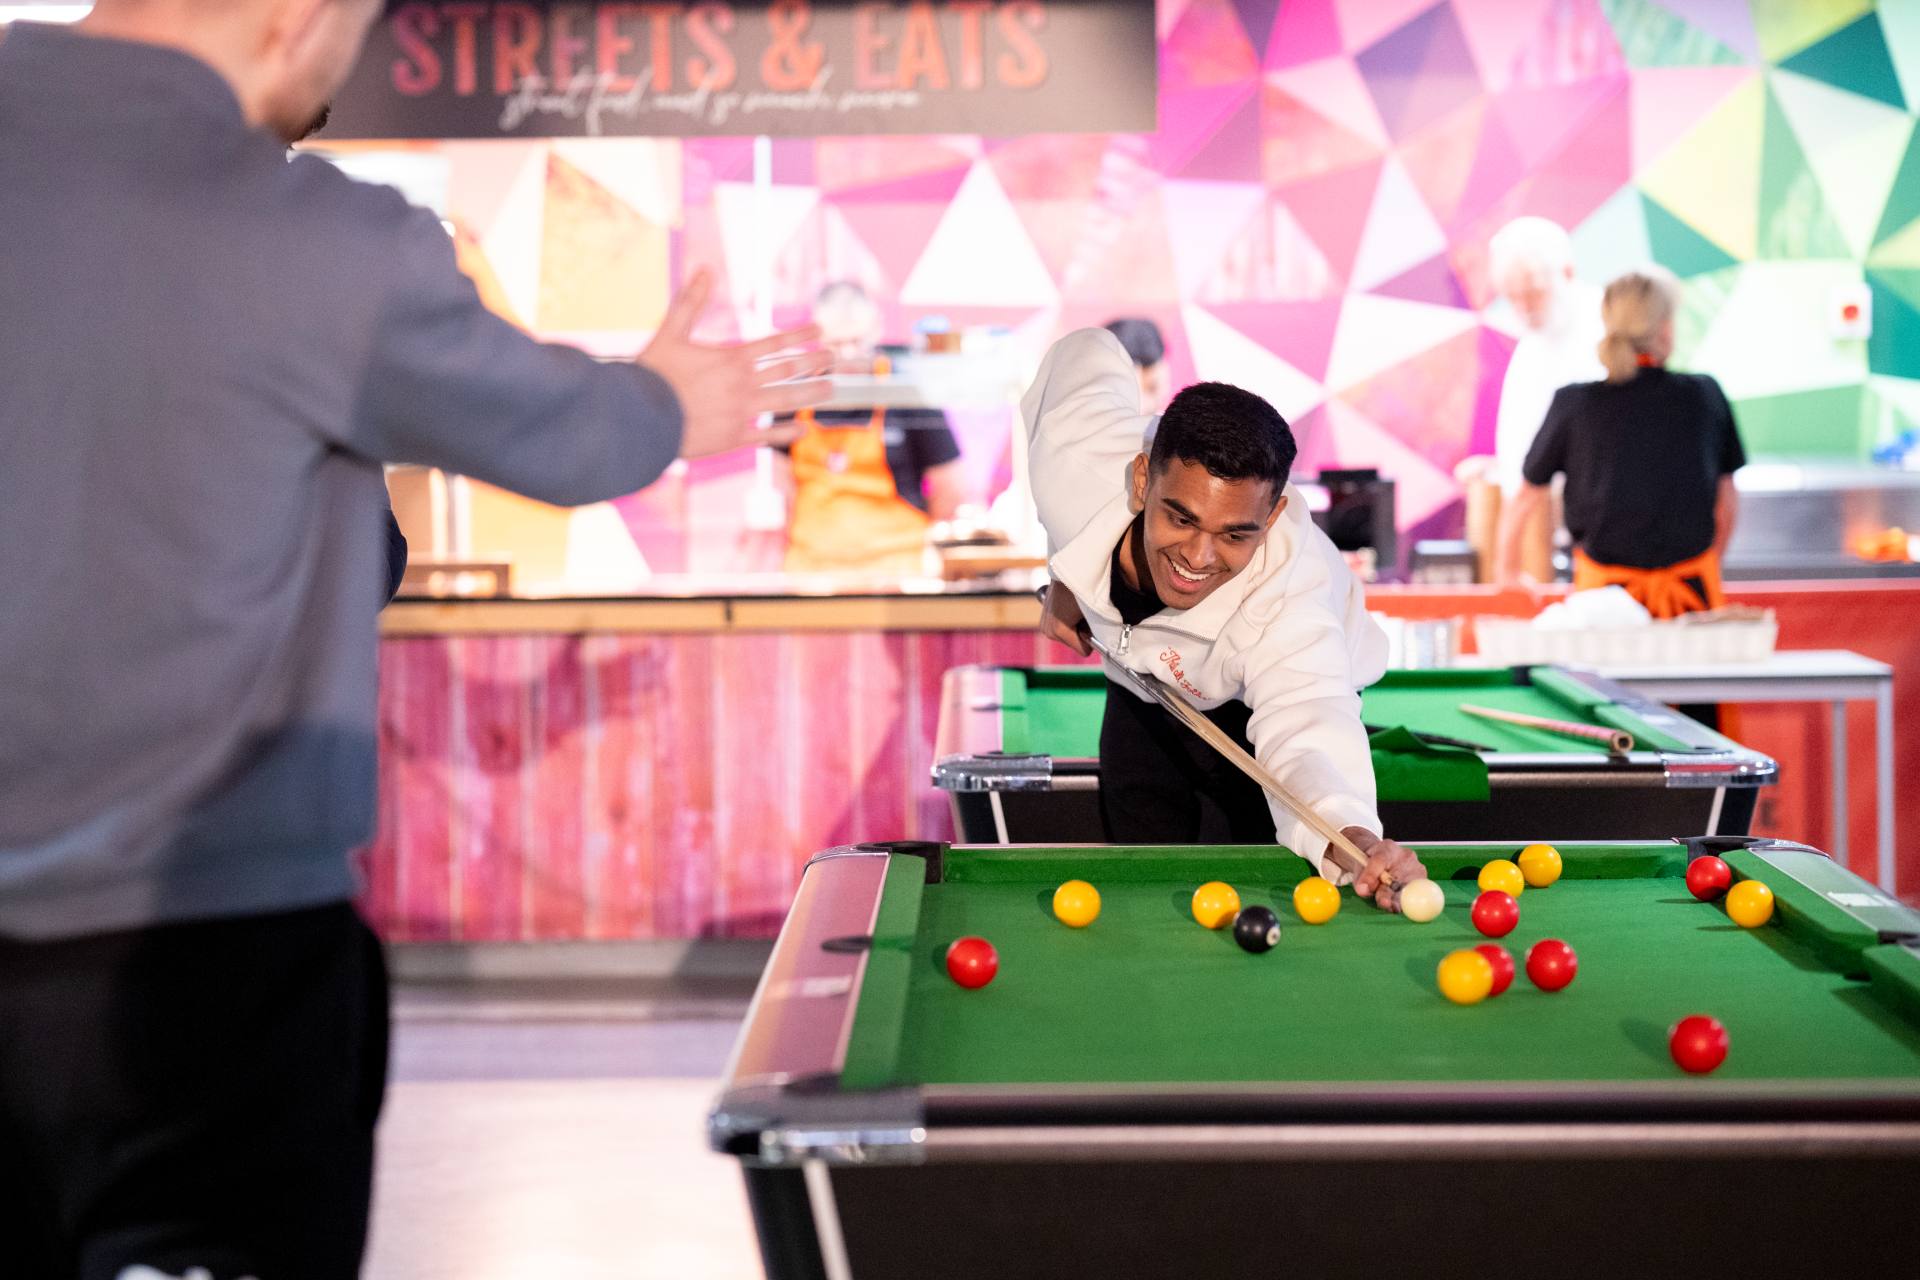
{"x": 1502, "y": 961}
{"x": 1551, "y": 964}
{"x": 1698, "y": 1043}
{"x": 1708, "y": 878}
{"x": 972, "y": 962}
{"x": 1495, "y": 913}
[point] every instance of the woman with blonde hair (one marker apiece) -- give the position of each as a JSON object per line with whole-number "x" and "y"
{"x": 1648, "y": 456}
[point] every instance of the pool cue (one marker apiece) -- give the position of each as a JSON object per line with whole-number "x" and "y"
{"x": 1341, "y": 849}
{"x": 1617, "y": 741}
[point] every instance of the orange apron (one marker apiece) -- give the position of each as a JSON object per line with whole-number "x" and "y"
{"x": 848, "y": 515}
{"x": 1691, "y": 586}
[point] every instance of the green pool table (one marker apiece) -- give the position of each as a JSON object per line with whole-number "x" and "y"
{"x": 1143, "y": 1098}
{"x": 1017, "y": 751}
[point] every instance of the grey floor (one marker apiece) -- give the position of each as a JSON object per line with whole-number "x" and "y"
{"x": 553, "y": 1131}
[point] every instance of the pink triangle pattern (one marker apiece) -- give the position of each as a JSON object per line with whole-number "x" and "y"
{"x": 1332, "y": 208}
{"x": 1301, "y": 333}
{"x": 1303, "y": 31}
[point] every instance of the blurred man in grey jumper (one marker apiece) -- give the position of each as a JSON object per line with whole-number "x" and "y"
{"x": 207, "y": 351}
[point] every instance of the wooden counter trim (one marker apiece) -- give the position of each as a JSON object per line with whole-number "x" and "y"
{"x": 663, "y": 617}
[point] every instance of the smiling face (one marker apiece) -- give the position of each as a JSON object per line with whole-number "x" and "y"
{"x": 1200, "y": 530}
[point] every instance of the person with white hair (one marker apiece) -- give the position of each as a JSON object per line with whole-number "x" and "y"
{"x": 1531, "y": 262}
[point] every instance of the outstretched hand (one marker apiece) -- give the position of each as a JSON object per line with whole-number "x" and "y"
{"x": 723, "y": 388}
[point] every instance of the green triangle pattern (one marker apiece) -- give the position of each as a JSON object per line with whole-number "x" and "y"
{"x": 1901, "y": 249}
{"x": 1820, "y": 423}
{"x": 1794, "y": 220}
{"x": 1894, "y": 347}
{"x": 1903, "y": 202}
{"x": 1677, "y": 246}
{"x": 1854, "y": 58}
{"x": 1652, "y": 37}
{"x": 1887, "y": 416}
{"x": 1700, "y": 303}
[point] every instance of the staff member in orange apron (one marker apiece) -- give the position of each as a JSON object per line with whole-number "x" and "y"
{"x": 1648, "y": 455}
{"x": 867, "y": 483}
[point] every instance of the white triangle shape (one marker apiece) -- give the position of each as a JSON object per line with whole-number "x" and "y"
{"x": 643, "y": 172}
{"x": 1377, "y": 333}
{"x": 1222, "y": 353}
{"x": 1770, "y": 336}
{"x": 512, "y": 243}
{"x": 1854, "y": 146}
{"x": 980, "y": 255}
{"x": 756, "y": 225}
{"x": 1211, "y": 205}
{"x": 1401, "y": 231}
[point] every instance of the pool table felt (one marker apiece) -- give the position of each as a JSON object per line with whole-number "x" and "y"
{"x": 1057, "y": 711}
{"x": 1145, "y": 995}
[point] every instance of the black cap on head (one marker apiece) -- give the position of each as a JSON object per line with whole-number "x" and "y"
{"x": 1234, "y": 434}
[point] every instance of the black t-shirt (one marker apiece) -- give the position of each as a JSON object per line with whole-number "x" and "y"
{"x": 917, "y": 440}
{"x": 1134, "y": 607}
{"x": 1643, "y": 461}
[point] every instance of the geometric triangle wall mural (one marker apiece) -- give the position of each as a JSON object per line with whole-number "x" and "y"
{"x": 1315, "y": 209}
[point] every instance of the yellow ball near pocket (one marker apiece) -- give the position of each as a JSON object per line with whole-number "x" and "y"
{"x": 1076, "y": 904}
{"x": 1215, "y": 904}
{"x": 1540, "y": 865}
{"x": 1750, "y": 904}
{"x": 1465, "y": 977}
{"x": 1316, "y": 900}
{"x": 1502, "y": 875}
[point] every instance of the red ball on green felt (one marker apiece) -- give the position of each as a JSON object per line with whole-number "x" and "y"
{"x": 1502, "y": 961}
{"x": 1708, "y": 877}
{"x": 972, "y": 962}
{"x": 1495, "y": 913}
{"x": 1698, "y": 1043}
{"x": 1551, "y": 964}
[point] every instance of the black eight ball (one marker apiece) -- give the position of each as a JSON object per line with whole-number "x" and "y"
{"x": 1256, "y": 929}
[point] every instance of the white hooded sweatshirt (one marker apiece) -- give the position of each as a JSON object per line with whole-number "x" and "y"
{"x": 1288, "y": 635}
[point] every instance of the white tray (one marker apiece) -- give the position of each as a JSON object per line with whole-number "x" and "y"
{"x": 1506, "y": 642}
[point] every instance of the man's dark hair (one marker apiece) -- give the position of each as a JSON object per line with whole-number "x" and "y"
{"x": 1234, "y": 434}
{"x": 1141, "y": 338}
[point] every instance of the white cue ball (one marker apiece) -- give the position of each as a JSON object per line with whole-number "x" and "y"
{"x": 1421, "y": 901}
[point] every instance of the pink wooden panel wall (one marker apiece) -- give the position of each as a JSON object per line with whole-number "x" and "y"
{"x": 642, "y": 786}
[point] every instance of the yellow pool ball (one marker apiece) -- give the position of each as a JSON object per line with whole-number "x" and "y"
{"x": 1076, "y": 904}
{"x": 1750, "y": 904}
{"x": 1502, "y": 875}
{"x": 1465, "y": 977}
{"x": 1316, "y": 900}
{"x": 1215, "y": 904}
{"x": 1540, "y": 865}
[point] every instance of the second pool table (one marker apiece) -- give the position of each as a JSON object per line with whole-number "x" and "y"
{"x": 1017, "y": 750}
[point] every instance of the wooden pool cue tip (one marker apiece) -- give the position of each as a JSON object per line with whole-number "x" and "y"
{"x": 1618, "y": 741}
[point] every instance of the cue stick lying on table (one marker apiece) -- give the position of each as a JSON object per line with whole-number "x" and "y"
{"x": 1617, "y": 741}
{"x": 1341, "y": 849}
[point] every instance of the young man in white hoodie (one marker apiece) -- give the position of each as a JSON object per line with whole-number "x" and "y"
{"x": 1198, "y": 564}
